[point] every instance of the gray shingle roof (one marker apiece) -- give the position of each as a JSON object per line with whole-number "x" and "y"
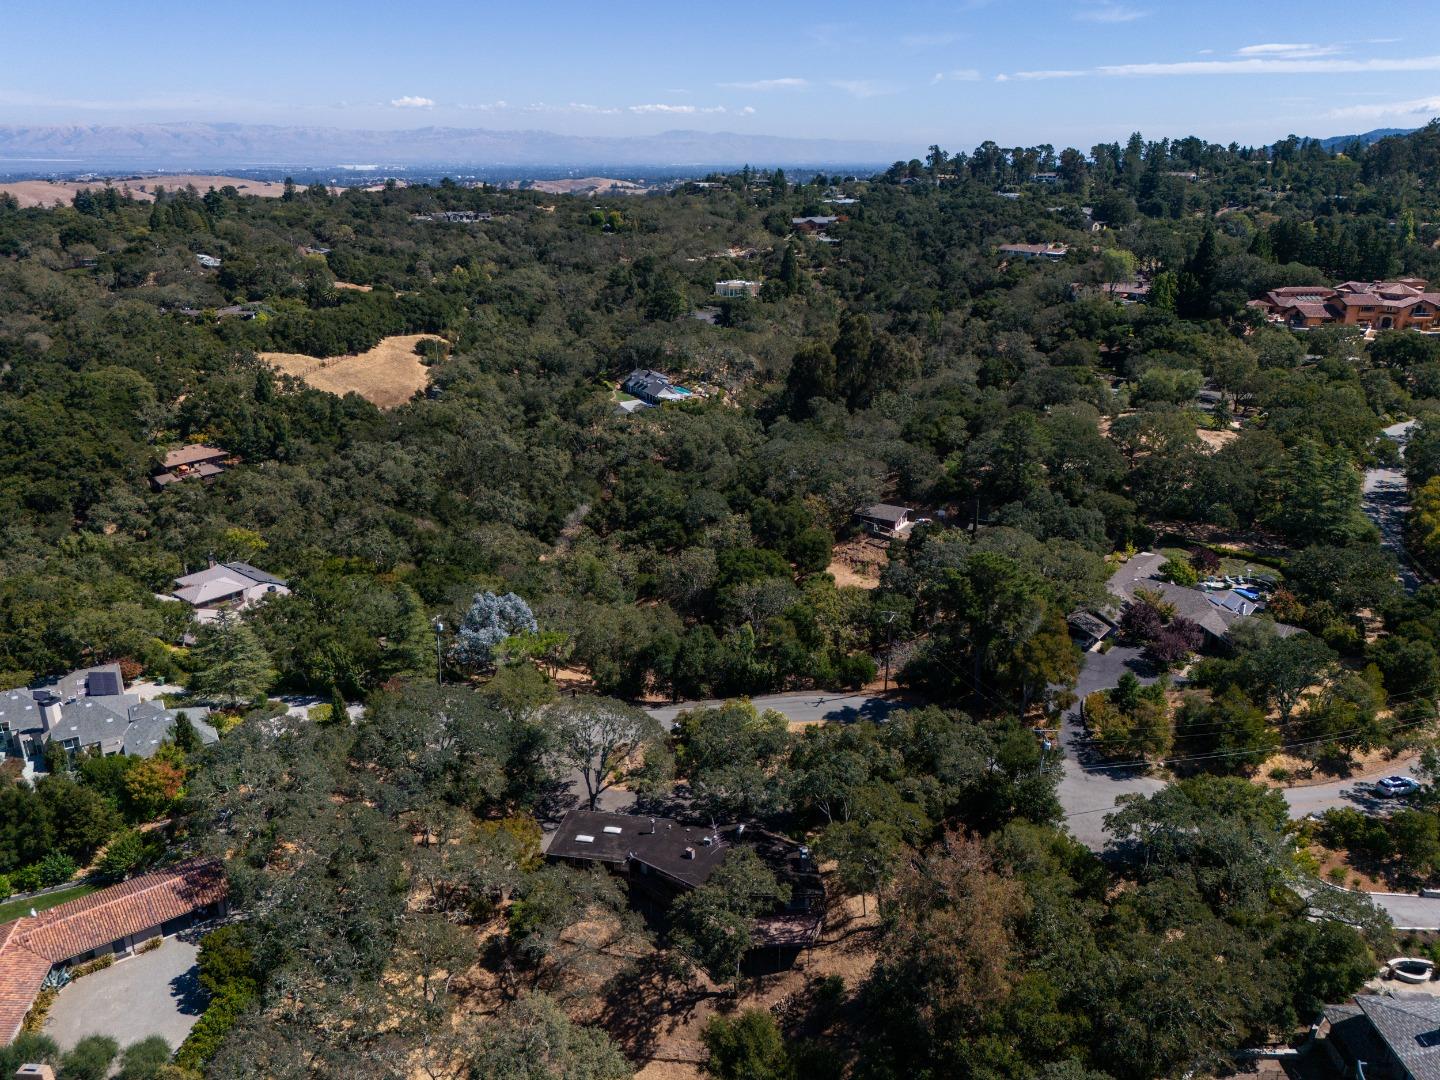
{"x": 1410, "y": 1026}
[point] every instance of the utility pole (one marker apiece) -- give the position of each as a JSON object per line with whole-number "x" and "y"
{"x": 889, "y": 644}
{"x": 439, "y": 651}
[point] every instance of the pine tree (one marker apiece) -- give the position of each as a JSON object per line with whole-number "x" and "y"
{"x": 232, "y": 668}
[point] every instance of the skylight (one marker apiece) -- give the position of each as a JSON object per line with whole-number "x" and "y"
{"x": 584, "y": 838}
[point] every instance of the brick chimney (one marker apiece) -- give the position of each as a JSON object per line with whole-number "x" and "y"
{"x": 35, "y": 1072}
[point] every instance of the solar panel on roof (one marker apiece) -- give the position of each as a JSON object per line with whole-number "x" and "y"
{"x": 101, "y": 683}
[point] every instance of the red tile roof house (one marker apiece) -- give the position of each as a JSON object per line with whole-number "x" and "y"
{"x": 1372, "y": 305}
{"x": 113, "y": 920}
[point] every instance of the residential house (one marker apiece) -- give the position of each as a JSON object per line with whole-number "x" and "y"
{"x": 196, "y": 461}
{"x": 661, "y": 859}
{"x": 1404, "y": 304}
{"x": 1122, "y": 292}
{"x": 737, "y": 288}
{"x": 113, "y": 922}
{"x": 230, "y": 586}
{"x": 813, "y": 224}
{"x": 1089, "y": 629}
{"x": 1216, "y": 613}
{"x": 1053, "y": 252}
{"x": 89, "y": 711}
{"x": 1045, "y": 178}
{"x": 653, "y": 387}
{"x": 885, "y": 519}
{"x": 1393, "y": 1036}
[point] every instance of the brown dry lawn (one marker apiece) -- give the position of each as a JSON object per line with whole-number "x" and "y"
{"x": 388, "y": 375}
{"x": 49, "y": 192}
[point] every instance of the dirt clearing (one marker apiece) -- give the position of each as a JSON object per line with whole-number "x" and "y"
{"x": 388, "y": 375}
{"x": 50, "y": 192}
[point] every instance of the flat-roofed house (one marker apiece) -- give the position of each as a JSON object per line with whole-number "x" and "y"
{"x": 1050, "y": 252}
{"x": 113, "y": 921}
{"x": 737, "y": 288}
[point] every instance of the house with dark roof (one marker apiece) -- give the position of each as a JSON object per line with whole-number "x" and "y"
{"x": 1216, "y": 613}
{"x": 112, "y": 921}
{"x": 661, "y": 858}
{"x": 653, "y": 387}
{"x": 89, "y": 711}
{"x": 1393, "y": 1036}
{"x": 885, "y": 519}
{"x": 813, "y": 224}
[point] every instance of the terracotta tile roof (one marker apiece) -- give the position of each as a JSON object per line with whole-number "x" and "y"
{"x": 29, "y": 947}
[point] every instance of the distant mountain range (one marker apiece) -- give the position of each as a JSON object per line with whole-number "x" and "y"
{"x": 1339, "y": 142}
{"x": 220, "y": 146}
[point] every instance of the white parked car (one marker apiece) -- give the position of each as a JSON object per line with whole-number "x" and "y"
{"x": 1394, "y": 786}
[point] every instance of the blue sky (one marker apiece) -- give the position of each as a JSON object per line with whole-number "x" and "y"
{"x": 908, "y": 72}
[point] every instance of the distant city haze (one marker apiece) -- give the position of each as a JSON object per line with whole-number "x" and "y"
{"x": 881, "y": 76}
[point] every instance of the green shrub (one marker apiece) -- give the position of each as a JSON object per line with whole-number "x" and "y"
{"x": 1179, "y": 571}
{"x": 28, "y": 1047}
{"x": 56, "y": 868}
{"x": 5, "y": 887}
{"x": 210, "y": 1030}
{"x": 150, "y": 944}
{"x": 90, "y": 1059}
{"x": 100, "y": 963}
{"x": 124, "y": 854}
{"x": 145, "y": 1060}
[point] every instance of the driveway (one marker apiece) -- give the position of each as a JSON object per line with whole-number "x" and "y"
{"x": 1385, "y": 498}
{"x": 154, "y": 993}
{"x": 1088, "y": 787}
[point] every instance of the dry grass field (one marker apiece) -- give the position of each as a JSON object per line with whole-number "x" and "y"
{"x": 388, "y": 375}
{"x": 50, "y": 192}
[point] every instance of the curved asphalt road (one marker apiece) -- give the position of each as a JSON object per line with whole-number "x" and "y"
{"x": 1086, "y": 794}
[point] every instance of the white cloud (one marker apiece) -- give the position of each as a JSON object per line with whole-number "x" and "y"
{"x": 412, "y": 102}
{"x": 1248, "y": 66}
{"x": 958, "y": 75}
{"x": 686, "y": 110}
{"x": 1108, "y": 11}
{"x": 487, "y": 106}
{"x": 864, "y": 88}
{"x": 789, "y": 83}
{"x": 1289, "y": 52}
{"x": 1031, "y": 76}
{"x": 1417, "y": 109}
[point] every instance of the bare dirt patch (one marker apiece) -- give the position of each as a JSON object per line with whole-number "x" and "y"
{"x": 142, "y": 188}
{"x": 1216, "y": 440}
{"x": 859, "y": 562}
{"x": 388, "y": 375}
{"x": 352, "y": 286}
{"x": 585, "y": 185}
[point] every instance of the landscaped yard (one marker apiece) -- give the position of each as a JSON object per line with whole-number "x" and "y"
{"x": 16, "y": 908}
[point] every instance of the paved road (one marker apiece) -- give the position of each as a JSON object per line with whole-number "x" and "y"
{"x": 804, "y": 707}
{"x": 1088, "y": 793}
{"x": 1385, "y": 499}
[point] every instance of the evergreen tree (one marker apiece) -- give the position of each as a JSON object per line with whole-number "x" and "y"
{"x": 231, "y": 666}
